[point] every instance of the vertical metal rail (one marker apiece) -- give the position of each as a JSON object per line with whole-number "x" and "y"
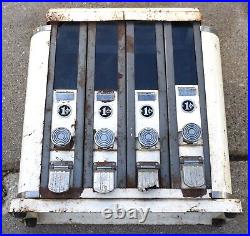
{"x": 89, "y": 108}
{"x": 121, "y": 129}
{"x": 163, "y": 114}
{"x": 202, "y": 97}
{"x": 131, "y": 155}
{"x": 48, "y": 110}
{"x": 80, "y": 107}
{"x": 171, "y": 98}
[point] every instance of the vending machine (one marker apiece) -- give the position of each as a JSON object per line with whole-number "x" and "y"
{"x": 124, "y": 121}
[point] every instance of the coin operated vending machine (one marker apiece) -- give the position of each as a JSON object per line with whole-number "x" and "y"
{"x": 124, "y": 113}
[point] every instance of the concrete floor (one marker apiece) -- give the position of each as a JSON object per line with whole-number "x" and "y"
{"x": 229, "y": 20}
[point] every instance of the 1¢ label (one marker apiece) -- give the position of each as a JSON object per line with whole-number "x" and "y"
{"x": 147, "y": 111}
{"x": 64, "y": 110}
{"x": 105, "y": 111}
{"x": 188, "y": 105}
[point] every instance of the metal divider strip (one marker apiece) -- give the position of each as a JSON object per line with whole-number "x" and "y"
{"x": 121, "y": 125}
{"x": 89, "y": 108}
{"x": 202, "y": 97}
{"x": 48, "y": 110}
{"x": 171, "y": 102}
{"x": 80, "y": 108}
{"x": 163, "y": 114}
{"x": 131, "y": 155}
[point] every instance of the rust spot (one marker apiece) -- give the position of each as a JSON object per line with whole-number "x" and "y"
{"x": 121, "y": 32}
{"x": 131, "y": 183}
{"x": 72, "y": 193}
{"x": 49, "y": 74}
{"x": 68, "y": 147}
{"x": 130, "y": 44}
{"x": 82, "y": 82}
{"x": 119, "y": 75}
{"x": 73, "y": 125}
{"x": 92, "y": 29}
{"x": 87, "y": 108}
{"x": 176, "y": 181}
{"x": 55, "y": 16}
{"x": 194, "y": 192}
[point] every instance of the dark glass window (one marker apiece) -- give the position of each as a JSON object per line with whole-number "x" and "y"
{"x": 184, "y": 54}
{"x": 66, "y": 64}
{"x": 146, "y": 76}
{"x": 106, "y": 49}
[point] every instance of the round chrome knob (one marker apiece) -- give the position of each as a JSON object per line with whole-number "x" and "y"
{"x": 60, "y": 137}
{"x": 148, "y": 137}
{"x": 191, "y": 132}
{"x": 104, "y": 138}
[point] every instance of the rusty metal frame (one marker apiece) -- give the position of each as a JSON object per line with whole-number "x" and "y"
{"x": 163, "y": 117}
{"x": 131, "y": 154}
{"x": 48, "y": 111}
{"x": 121, "y": 125}
{"x": 80, "y": 107}
{"x": 171, "y": 96}
{"x": 89, "y": 108}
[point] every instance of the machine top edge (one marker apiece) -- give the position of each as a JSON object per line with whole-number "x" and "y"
{"x": 118, "y": 14}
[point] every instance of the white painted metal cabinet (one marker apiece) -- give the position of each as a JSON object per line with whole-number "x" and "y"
{"x": 124, "y": 121}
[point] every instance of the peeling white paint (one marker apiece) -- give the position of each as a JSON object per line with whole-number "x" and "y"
{"x": 113, "y": 14}
{"x": 30, "y": 164}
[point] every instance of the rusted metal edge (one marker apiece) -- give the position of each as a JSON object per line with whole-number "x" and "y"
{"x": 114, "y": 14}
{"x": 48, "y": 110}
{"x": 133, "y": 193}
{"x": 72, "y": 193}
{"x": 89, "y": 108}
{"x": 194, "y": 192}
{"x": 163, "y": 107}
{"x": 80, "y": 107}
{"x": 121, "y": 126}
{"x": 171, "y": 103}
{"x": 130, "y": 89}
